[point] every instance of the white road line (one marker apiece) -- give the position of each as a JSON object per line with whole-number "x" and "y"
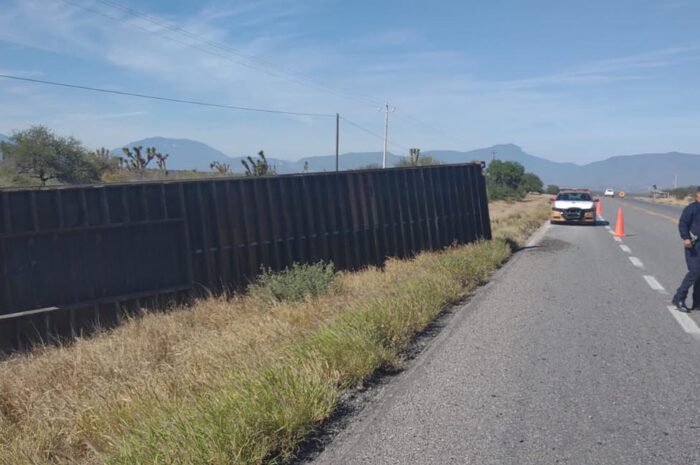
{"x": 625, "y": 248}
{"x": 611, "y": 231}
{"x": 687, "y": 323}
{"x": 654, "y": 284}
{"x": 637, "y": 262}
{"x": 617, "y": 239}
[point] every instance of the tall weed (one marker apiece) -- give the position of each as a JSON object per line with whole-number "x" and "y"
{"x": 293, "y": 284}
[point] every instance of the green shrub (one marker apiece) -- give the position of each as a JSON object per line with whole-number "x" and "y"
{"x": 500, "y": 192}
{"x": 552, "y": 189}
{"x": 531, "y": 183}
{"x": 294, "y": 283}
{"x": 682, "y": 193}
{"x": 509, "y": 180}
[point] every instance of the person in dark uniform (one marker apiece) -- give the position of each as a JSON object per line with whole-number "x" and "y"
{"x": 689, "y": 228}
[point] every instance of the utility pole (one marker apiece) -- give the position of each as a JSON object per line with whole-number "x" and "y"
{"x": 337, "y": 142}
{"x": 675, "y": 182}
{"x": 386, "y": 131}
{"x": 493, "y": 155}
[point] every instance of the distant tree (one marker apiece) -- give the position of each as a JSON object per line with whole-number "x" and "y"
{"x": 552, "y": 189}
{"x": 416, "y": 159}
{"x": 37, "y": 153}
{"x": 371, "y": 166}
{"x": 531, "y": 183}
{"x": 508, "y": 179}
{"x": 105, "y": 161}
{"x": 508, "y": 174}
{"x": 682, "y": 193}
{"x": 160, "y": 159}
{"x": 221, "y": 168}
{"x": 102, "y": 154}
{"x": 134, "y": 160}
{"x": 258, "y": 167}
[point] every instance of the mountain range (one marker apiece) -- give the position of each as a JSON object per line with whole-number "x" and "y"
{"x": 625, "y": 172}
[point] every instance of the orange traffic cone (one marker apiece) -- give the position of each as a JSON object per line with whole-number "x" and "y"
{"x": 620, "y": 225}
{"x": 599, "y": 208}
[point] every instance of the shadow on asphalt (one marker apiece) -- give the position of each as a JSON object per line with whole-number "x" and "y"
{"x": 550, "y": 245}
{"x": 546, "y": 245}
{"x": 596, "y": 224}
{"x": 520, "y": 249}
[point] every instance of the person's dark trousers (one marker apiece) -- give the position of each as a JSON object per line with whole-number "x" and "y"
{"x": 692, "y": 259}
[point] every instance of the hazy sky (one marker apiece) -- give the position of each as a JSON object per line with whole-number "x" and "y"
{"x": 567, "y": 80}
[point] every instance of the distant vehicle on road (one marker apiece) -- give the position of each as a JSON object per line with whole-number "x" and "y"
{"x": 609, "y": 193}
{"x": 573, "y": 206}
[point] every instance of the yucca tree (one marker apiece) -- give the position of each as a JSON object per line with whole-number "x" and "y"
{"x": 102, "y": 154}
{"x": 414, "y": 155}
{"x": 258, "y": 167}
{"x": 160, "y": 159}
{"x": 221, "y": 168}
{"x": 135, "y": 161}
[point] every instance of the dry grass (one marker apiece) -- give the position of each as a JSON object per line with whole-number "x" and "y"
{"x": 508, "y": 218}
{"x": 673, "y": 201}
{"x": 234, "y": 380}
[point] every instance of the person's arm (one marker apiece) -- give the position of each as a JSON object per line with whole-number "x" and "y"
{"x": 684, "y": 225}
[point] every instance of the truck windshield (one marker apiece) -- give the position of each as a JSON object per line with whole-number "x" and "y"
{"x": 574, "y": 197}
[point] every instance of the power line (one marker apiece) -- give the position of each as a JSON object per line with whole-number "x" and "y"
{"x": 430, "y": 126}
{"x": 279, "y": 71}
{"x": 262, "y": 65}
{"x": 294, "y": 74}
{"x": 362, "y": 128}
{"x": 372, "y": 133}
{"x": 172, "y": 39}
{"x": 166, "y": 99}
{"x": 199, "y": 103}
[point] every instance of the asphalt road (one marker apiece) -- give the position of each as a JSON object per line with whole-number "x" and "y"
{"x": 570, "y": 355}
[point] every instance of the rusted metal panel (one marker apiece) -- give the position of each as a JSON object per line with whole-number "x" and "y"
{"x": 481, "y": 197}
{"x": 237, "y": 233}
{"x": 219, "y": 241}
{"x": 102, "y": 251}
{"x": 274, "y": 214}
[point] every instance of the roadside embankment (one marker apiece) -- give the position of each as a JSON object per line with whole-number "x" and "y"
{"x": 241, "y": 379}
{"x": 673, "y": 201}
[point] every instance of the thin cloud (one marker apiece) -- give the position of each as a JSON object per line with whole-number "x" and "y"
{"x": 652, "y": 59}
{"x": 441, "y": 85}
{"x": 672, "y": 5}
{"x": 605, "y": 71}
